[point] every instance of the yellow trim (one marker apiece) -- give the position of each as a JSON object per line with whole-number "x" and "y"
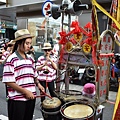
{"x": 105, "y": 12}
{"x": 116, "y": 103}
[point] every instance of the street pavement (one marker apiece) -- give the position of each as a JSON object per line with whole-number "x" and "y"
{"x": 107, "y": 112}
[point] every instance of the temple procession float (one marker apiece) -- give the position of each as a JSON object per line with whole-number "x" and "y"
{"x": 84, "y": 48}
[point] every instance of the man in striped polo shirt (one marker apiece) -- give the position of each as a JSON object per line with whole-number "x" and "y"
{"x": 20, "y": 76}
{"x": 46, "y": 66}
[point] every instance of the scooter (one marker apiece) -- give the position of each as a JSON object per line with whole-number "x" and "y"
{"x": 88, "y": 76}
{"x": 81, "y": 76}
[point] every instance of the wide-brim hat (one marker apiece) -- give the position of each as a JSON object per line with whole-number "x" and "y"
{"x": 12, "y": 42}
{"x": 47, "y": 46}
{"x": 21, "y": 34}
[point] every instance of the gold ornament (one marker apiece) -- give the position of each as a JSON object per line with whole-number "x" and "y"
{"x": 78, "y": 37}
{"x": 86, "y": 48}
{"x": 68, "y": 46}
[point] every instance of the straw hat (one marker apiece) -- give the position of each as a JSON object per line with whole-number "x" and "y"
{"x": 21, "y": 34}
{"x": 47, "y": 46}
{"x": 12, "y": 42}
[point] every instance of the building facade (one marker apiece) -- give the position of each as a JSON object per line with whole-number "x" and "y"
{"x": 16, "y": 14}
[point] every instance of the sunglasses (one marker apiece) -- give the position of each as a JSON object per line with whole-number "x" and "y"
{"x": 47, "y": 50}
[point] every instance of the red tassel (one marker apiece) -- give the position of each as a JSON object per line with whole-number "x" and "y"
{"x": 61, "y": 54}
{"x": 113, "y": 70}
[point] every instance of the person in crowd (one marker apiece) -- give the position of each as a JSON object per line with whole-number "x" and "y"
{"x": 10, "y": 46}
{"x": 56, "y": 46}
{"x": 20, "y": 76}
{"x": 1, "y": 66}
{"x": 46, "y": 66}
{"x": 6, "y": 42}
{"x": 32, "y": 53}
{"x": 8, "y": 51}
{"x": 0, "y": 54}
{"x": 2, "y": 49}
{"x": 5, "y": 55}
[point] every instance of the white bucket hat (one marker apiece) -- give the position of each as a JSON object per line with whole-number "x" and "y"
{"x": 21, "y": 34}
{"x": 47, "y": 46}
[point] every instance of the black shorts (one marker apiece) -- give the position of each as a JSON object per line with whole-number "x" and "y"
{"x": 21, "y": 110}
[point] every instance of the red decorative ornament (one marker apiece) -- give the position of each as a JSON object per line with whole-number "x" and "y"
{"x": 88, "y": 26}
{"x": 63, "y": 39}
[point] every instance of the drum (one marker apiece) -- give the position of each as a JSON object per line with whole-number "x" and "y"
{"x": 77, "y": 111}
{"x": 51, "y": 109}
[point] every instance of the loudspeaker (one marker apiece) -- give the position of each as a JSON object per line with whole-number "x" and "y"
{"x": 75, "y": 7}
{"x": 55, "y": 11}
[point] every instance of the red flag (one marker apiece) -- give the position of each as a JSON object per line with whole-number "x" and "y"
{"x": 113, "y": 13}
{"x": 95, "y": 33}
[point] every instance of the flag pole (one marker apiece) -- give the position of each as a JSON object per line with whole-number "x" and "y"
{"x": 109, "y": 19}
{"x": 46, "y": 28}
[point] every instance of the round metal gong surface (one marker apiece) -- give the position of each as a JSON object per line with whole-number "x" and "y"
{"x": 51, "y": 103}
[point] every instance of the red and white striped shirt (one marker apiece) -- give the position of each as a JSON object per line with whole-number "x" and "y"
{"x": 52, "y": 72}
{"x": 5, "y": 54}
{"x": 22, "y": 72}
